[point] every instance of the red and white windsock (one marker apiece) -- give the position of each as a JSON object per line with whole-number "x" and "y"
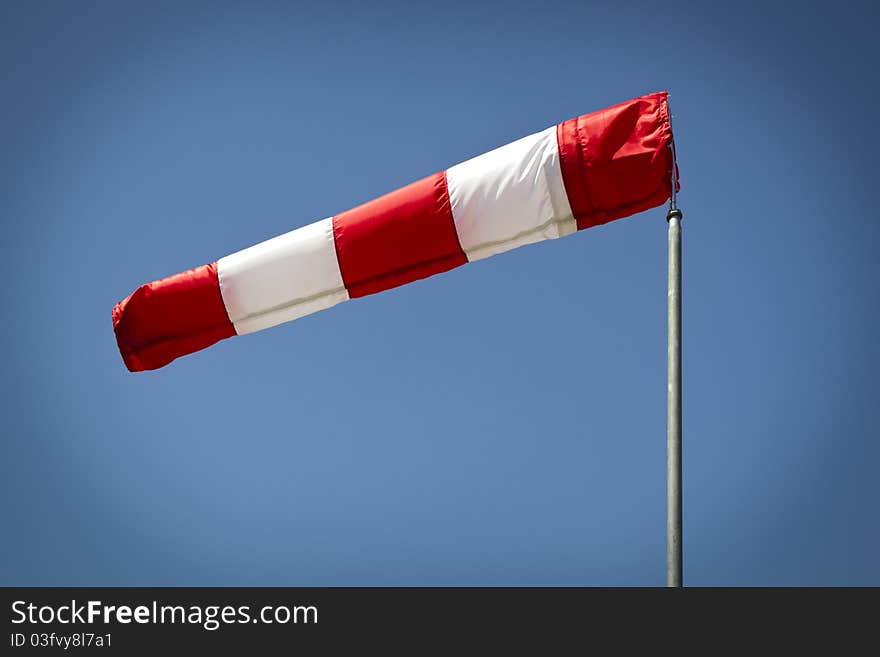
{"x": 580, "y": 173}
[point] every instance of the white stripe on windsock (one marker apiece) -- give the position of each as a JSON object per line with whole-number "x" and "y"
{"x": 510, "y": 197}
{"x": 282, "y": 279}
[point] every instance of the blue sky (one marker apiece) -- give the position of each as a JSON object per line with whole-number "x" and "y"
{"x": 503, "y": 423}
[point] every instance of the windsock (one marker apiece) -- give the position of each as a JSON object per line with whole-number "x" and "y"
{"x": 580, "y": 173}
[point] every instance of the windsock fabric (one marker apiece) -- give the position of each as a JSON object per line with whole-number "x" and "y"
{"x": 581, "y": 173}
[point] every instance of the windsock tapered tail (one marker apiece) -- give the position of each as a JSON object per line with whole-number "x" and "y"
{"x": 581, "y": 173}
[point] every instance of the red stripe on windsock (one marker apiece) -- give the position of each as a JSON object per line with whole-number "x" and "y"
{"x": 168, "y": 318}
{"x": 617, "y": 161}
{"x": 397, "y": 238}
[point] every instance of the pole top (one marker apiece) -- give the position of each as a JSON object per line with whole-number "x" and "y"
{"x": 674, "y": 213}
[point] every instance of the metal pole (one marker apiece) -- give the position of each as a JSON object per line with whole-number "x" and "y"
{"x": 674, "y": 560}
